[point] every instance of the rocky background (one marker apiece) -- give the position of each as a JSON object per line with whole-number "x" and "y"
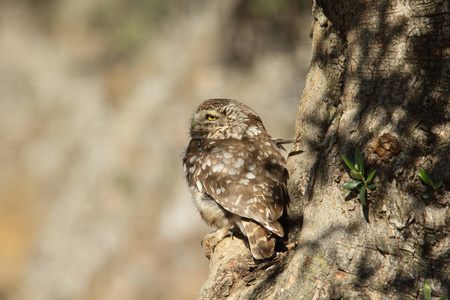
{"x": 95, "y": 102}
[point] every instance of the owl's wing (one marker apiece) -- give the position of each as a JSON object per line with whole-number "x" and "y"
{"x": 248, "y": 181}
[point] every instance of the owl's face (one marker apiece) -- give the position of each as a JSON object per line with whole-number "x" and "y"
{"x": 224, "y": 118}
{"x": 208, "y": 121}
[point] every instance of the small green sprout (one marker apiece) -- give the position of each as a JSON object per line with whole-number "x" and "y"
{"x": 427, "y": 291}
{"x": 360, "y": 183}
{"x": 431, "y": 185}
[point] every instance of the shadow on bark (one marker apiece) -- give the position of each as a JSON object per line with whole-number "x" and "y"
{"x": 382, "y": 78}
{"x": 373, "y": 71}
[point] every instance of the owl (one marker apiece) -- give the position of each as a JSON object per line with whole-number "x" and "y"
{"x": 236, "y": 174}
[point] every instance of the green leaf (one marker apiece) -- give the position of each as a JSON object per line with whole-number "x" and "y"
{"x": 359, "y": 162}
{"x": 438, "y": 185}
{"x": 362, "y": 194}
{"x": 427, "y": 290}
{"x": 351, "y": 185}
{"x": 426, "y": 177}
{"x": 356, "y": 175}
{"x": 428, "y": 192}
{"x": 349, "y": 163}
{"x": 371, "y": 186}
{"x": 370, "y": 177}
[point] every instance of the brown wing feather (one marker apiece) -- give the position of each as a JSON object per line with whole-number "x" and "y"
{"x": 246, "y": 181}
{"x": 262, "y": 243}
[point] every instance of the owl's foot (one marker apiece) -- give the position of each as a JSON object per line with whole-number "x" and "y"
{"x": 212, "y": 239}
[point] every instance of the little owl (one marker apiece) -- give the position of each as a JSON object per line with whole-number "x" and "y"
{"x": 236, "y": 174}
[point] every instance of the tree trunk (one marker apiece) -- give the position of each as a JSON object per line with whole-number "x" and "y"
{"x": 378, "y": 82}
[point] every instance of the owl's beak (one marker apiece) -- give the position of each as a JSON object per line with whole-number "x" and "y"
{"x": 194, "y": 122}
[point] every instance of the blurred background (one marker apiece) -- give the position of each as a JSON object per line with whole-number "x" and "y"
{"x": 95, "y": 102}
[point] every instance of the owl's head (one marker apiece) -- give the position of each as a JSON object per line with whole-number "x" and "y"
{"x": 225, "y": 118}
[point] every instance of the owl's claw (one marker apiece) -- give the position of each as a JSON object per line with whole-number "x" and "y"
{"x": 214, "y": 238}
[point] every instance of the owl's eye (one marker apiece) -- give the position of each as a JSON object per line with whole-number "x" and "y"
{"x": 211, "y": 117}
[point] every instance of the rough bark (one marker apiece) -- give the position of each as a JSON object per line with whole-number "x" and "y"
{"x": 378, "y": 68}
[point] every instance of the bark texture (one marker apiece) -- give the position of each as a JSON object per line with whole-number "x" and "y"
{"x": 378, "y": 81}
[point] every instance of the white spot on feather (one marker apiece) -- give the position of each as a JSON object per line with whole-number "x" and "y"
{"x": 250, "y": 175}
{"x": 217, "y": 168}
{"x": 232, "y": 171}
{"x": 193, "y": 158}
{"x": 252, "y": 131}
{"x": 239, "y": 163}
{"x": 227, "y": 155}
{"x": 199, "y": 185}
{"x": 250, "y": 167}
{"x": 191, "y": 170}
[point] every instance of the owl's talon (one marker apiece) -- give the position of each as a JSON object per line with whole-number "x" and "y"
{"x": 214, "y": 238}
{"x": 207, "y": 238}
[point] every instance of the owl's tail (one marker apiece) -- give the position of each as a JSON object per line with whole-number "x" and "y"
{"x": 262, "y": 242}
